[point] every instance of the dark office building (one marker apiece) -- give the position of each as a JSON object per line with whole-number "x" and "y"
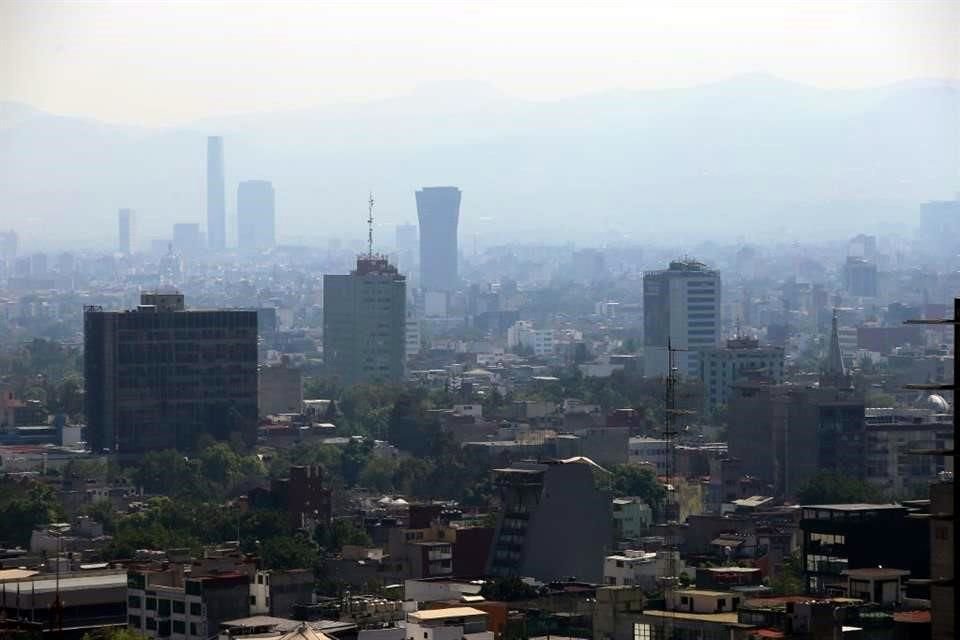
{"x": 785, "y": 435}
{"x": 159, "y": 376}
{"x": 840, "y": 537}
{"x": 364, "y": 323}
{"x": 256, "y": 221}
{"x": 438, "y": 209}
{"x": 216, "y": 199}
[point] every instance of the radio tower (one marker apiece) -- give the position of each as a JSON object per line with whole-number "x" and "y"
{"x": 370, "y": 225}
{"x": 671, "y": 509}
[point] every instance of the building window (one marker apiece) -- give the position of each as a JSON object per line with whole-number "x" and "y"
{"x": 642, "y": 631}
{"x": 196, "y": 609}
{"x": 179, "y": 627}
{"x": 253, "y": 601}
{"x": 178, "y": 606}
{"x": 134, "y": 602}
{"x": 151, "y": 604}
{"x": 152, "y": 624}
{"x": 133, "y": 621}
{"x": 193, "y": 628}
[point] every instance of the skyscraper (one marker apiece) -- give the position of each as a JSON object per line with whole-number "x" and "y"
{"x": 216, "y": 205}
{"x": 256, "y": 223}
{"x": 160, "y": 376}
{"x": 9, "y": 242}
{"x": 125, "y": 231}
{"x": 364, "y": 322}
{"x": 406, "y": 243}
{"x": 186, "y": 237}
{"x": 681, "y": 307}
{"x": 438, "y": 209}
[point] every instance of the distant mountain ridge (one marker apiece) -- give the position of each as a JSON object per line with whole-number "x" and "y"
{"x": 751, "y": 156}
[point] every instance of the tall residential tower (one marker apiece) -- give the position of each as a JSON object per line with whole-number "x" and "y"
{"x": 216, "y": 202}
{"x": 438, "y": 209}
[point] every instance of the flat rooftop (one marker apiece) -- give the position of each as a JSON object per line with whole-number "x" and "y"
{"x": 856, "y": 506}
{"x": 719, "y": 618}
{"x": 444, "y": 614}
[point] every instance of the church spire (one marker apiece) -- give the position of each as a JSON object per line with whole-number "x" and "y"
{"x": 834, "y": 373}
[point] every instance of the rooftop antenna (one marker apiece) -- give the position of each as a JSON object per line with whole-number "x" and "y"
{"x": 370, "y": 225}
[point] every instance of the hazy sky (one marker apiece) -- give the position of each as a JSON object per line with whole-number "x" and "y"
{"x": 160, "y": 63}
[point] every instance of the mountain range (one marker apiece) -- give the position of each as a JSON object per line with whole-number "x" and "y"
{"x": 752, "y": 157}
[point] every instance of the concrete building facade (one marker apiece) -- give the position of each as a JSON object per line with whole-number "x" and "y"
{"x": 681, "y": 306}
{"x": 540, "y": 500}
{"x": 743, "y": 357}
{"x": 365, "y": 323}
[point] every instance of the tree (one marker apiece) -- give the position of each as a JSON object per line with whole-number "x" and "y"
{"x": 102, "y": 511}
{"x": 341, "y": 532}
{"x": 219, "y": 464}
{"x": 409, "y": 426}
{"x": 288, "y": 552}
{"x": 23, "y": 507}
{"x": 114, "y": 633}
{"x": 354, "y": 458}
{"x": 874, "y": 398}
{"x": 378, "y": 474}
{"x": 788, "y": 580}
{"x": 828, "y": 487}
{"x": 163, "y": 472}
{"x": 633, "y": 480}
{"x": 508, "y": 590}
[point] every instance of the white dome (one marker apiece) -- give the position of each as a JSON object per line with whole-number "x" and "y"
{"x": 937, "y": 403}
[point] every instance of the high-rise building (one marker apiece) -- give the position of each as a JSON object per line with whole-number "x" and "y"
{"x": 681, "y": 308}
{"x": 125, "y": 231}
{"x": 860, "y": 277}
{"x": 9, "y": 242}
{"x": 187, "y": 238}
{"x": 364, "y": 322}
{"x": 216, "y": 202}
{"x": 438, "y": 209}
{"x": 256, "y": 221}
{"x": 406, "y": 243}
{"x": 939, "y": 226}
{"x": 743, "y": 357}
{"x": 160, "y": 376}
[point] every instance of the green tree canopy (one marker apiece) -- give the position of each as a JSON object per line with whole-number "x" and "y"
{"x": 633, "y": 480}
{"x": 828, "y": 487}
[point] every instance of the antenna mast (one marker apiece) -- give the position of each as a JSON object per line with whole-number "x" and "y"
{"x": 370, "y": 225}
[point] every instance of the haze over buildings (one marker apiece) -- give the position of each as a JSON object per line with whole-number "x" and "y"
{"x": 256, "y": 215}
